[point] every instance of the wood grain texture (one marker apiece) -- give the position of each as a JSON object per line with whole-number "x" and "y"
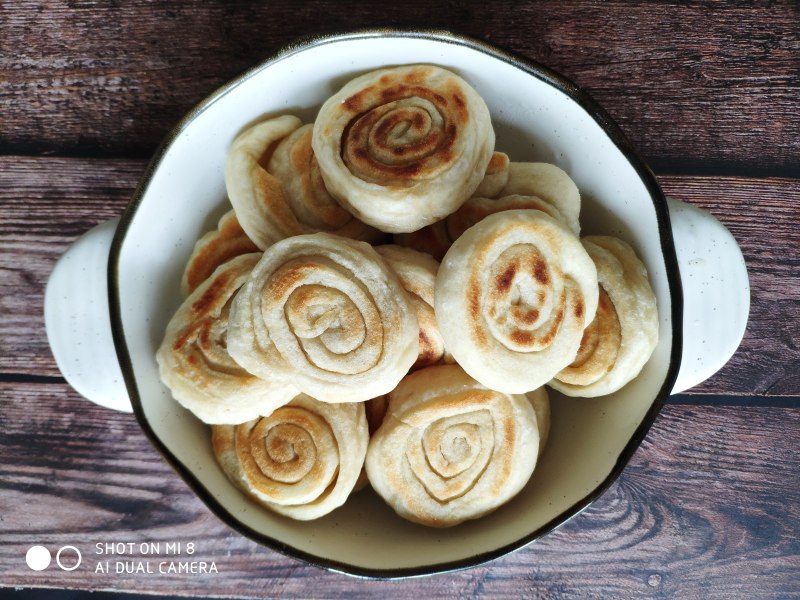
{"x": 708, "y": 91}
{"x": 708, "y": 508}
{"x": 703, "y": 86}
{"x": 46, "y": 203}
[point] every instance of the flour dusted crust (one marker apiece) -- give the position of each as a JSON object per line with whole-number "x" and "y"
{"x": 326, "y": 314}
{"x": 549, "y": 183}
{"x": 274, "y": 184}
{"x": 302, "y": 461}
{"x": 513, "y": 296}
{"x": 403, "y": 147}
{"x": 450, "y": 449}
{"x": 417, "y": 274}
{"x": 216, "y": 247}
{"x": 193, "y": 360}
{"x": 624, "y": 333}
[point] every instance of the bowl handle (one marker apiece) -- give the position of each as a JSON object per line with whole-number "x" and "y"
{"x": 78, "y": 322}
{"x": 716, "y": 292}
{"x": 716, "y": 296}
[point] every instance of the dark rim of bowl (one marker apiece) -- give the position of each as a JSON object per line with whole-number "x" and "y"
{"x": 530, "y": 67}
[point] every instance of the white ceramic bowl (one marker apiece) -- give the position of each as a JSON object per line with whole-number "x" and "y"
{"x": 538, "y": 116}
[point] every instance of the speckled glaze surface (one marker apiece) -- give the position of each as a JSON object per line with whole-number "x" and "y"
{"x": 538, "y": 116}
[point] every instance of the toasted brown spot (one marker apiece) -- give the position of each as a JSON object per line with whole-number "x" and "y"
{"x": 578, "y": 308}
{"x": 410, "y": 169}
{"x": 498, "y": 162}
{"x": 540, "y": 271}
{"x": 529, "y": 316}
{"x": 427, "y": 354}
{"x": 475, "y": 319}
{"x": 418, "y": 75}
{"x": 220, "y": 251}
{"x": 388, "y": 94}
{"x": 424, "y": 341}
{"x": 548, "y": 338}
{"x": 184, "y": 338}
{"x": 205, "y": 336}
{"x": 203, "y": 304}
{"x": 355, "y": 102}
{"x": 287, "y": 279}
{"x": 503, "y": 282}
{"x": 385, "y": 127}
{"x": 522, "y": 338}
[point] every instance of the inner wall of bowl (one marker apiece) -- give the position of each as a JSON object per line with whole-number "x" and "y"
{"x": 533, "y": 122}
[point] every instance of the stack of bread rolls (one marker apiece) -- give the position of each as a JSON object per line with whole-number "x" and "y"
{"x": 387, "y": 300}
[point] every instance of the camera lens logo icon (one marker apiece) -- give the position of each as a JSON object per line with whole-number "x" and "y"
{"x": 68, "y": 558}
{"x": 38, "y": 558}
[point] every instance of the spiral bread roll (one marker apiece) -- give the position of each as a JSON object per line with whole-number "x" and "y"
{"x": 450, "y": 449}
{"x": 511, "y": 186}
{"x": 375, "y": 410}
{"x": 624, "y": 332}
{"x": 495, "y": 178}
{"x": 194, "y": 362}
{"x": 403, "y": 147}
{"x": 417, "y": 274}
{"x": 273, "y": 182}
{"x": 513, "y": 296}
{"x": 437, "y": 237}
{"x": 313, "y": 208}
{"x": 327, "y": 315}
{"x": 548, "y": 183}
{"x": 227, "y": 241}
{"x": 302, "y": 461}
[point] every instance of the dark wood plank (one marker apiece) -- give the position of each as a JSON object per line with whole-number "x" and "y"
{"x": 46, "y": 203}
{"x": 708, "y": 508}
{"x": 698, "y": 86}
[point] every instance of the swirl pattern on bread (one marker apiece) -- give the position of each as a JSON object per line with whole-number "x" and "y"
{"x": 403, "y": 147}
{"x": 417, "y": 274}
{"x": 506, "y": 186}
{"x": 302, "y": 461}
{"x": 513, "y": 296}
{"x": 194, "y": 361}
{"x": 327, "y": 315}
{"x": 450, "y": 449}
{"x": 624, "y": 332}
{"x": 227, "y": 241}
{"x": 273, "y": 182}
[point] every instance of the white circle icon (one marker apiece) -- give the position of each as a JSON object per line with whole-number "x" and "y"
{"x": 38, "y": 558}
{"x": 68, "y": 567}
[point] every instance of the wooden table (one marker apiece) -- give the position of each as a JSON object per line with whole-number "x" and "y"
{"x": 709, "y": 92}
